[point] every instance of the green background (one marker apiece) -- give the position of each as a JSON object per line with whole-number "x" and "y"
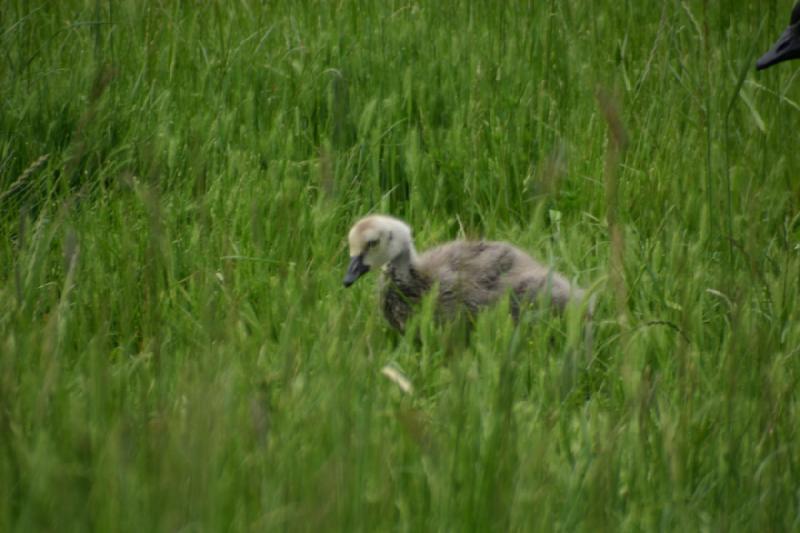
{"x": 177, "y": 180}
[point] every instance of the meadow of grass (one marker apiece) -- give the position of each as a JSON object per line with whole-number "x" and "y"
{"x": 176, "y": 183}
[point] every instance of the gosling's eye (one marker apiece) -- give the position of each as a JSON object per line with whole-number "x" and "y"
{"x": 372, "y": 243}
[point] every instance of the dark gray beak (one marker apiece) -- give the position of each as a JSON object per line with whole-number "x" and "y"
{"x": 787, "y": 47}
{"x": 356, "y": 269}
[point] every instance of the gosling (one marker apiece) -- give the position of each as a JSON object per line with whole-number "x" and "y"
{"x": 470, "y": 274}
{"x": 787, "y": 46}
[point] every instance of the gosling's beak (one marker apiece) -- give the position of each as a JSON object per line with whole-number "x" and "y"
{"x": 787, "y": 47}
{"x": 356, "y": 269}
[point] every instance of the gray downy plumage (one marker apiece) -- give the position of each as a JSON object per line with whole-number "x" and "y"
{"x": 468, "y": 275}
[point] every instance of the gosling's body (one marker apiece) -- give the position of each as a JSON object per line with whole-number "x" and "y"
{"x": 468, "y": 275}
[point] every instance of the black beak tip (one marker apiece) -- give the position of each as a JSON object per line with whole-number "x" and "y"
{"x": 766, "y": 61}
{"x": 356, "y": 269}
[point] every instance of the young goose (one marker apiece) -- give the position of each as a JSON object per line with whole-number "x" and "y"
{"x": 787, "y": 46}
{"x": 470, "y": 274}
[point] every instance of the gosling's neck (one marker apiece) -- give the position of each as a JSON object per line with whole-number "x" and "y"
{"x": 404, "y": 267}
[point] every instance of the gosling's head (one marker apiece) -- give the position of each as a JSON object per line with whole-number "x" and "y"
{"x": 375, "y": 241}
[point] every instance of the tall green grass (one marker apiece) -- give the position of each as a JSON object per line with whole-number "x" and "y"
{"x": 177, "y": 352}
